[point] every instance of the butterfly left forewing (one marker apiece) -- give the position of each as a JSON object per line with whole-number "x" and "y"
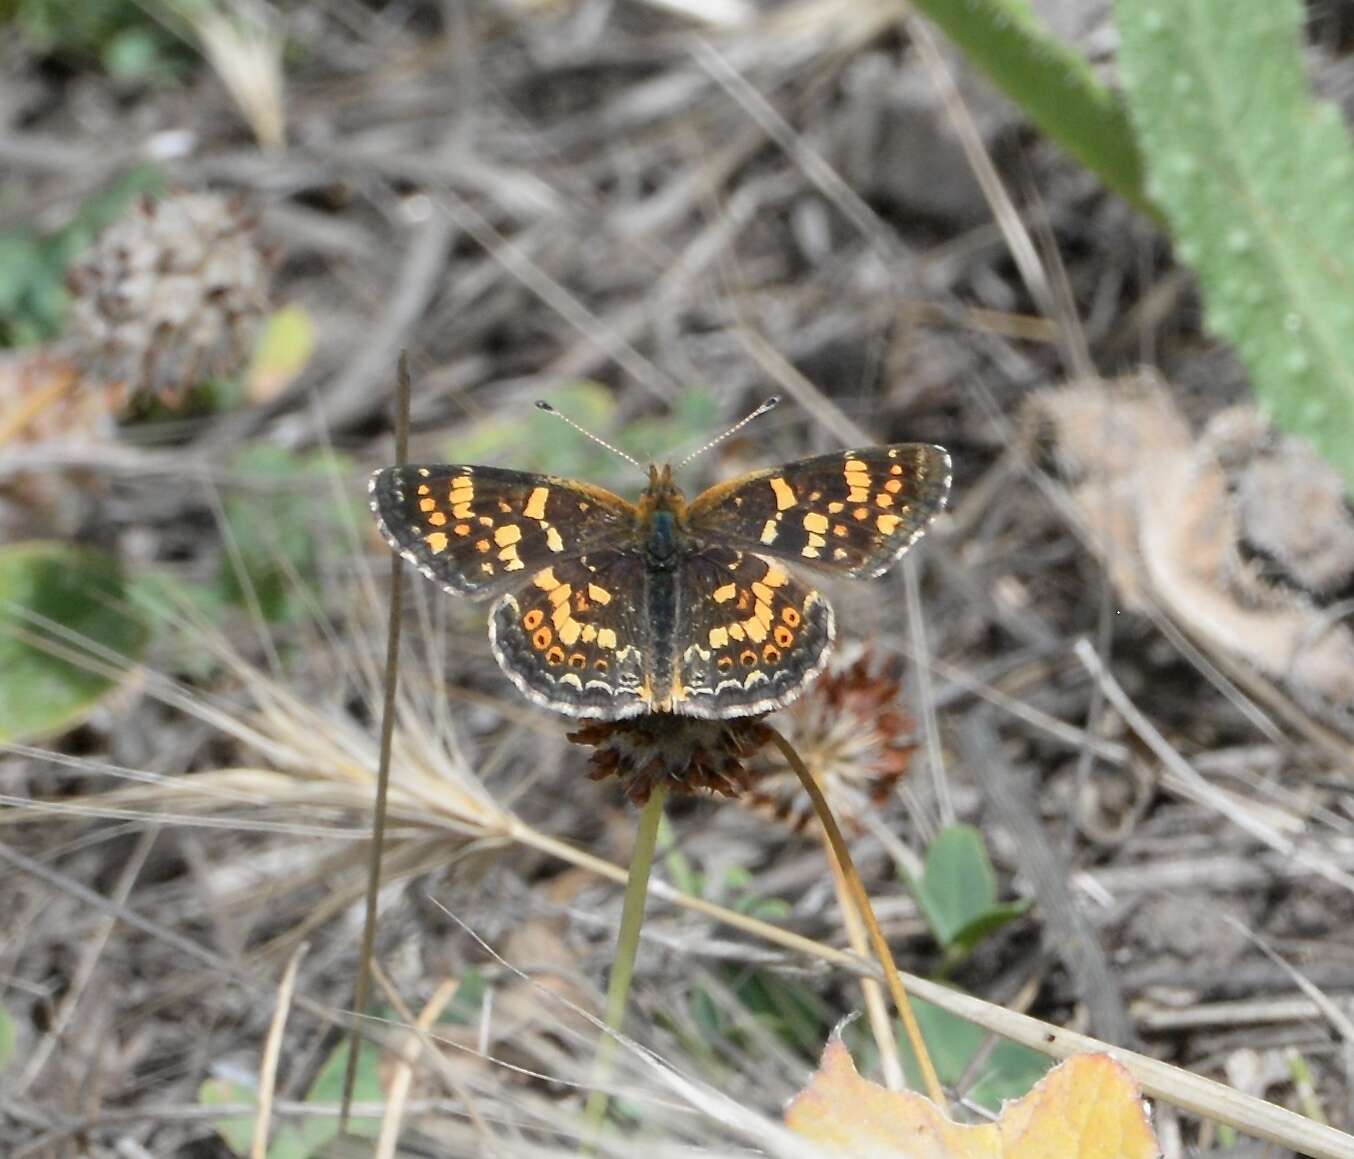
{"x": 852, "y": 512}
{"x": 480, "y": 530}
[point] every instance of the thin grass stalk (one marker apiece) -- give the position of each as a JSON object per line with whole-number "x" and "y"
{"x": 378, "y": 819}
{"x": 862, "y": 899}
{"x": 875, "y": 1009}
{"x": 623, "y": 968}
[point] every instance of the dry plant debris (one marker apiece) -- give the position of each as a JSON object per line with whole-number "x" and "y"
{"x": 1242, "y": 535}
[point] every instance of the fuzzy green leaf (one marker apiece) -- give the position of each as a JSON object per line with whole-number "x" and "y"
{"x": 1254, "y": 177}
{"x": 1050, "y": 81}
{"x": 59, "y": 599}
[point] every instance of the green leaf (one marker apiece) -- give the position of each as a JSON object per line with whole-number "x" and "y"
{"x": 1254, "y": 177}
{"x": 277, "y": 520}
{"x": 281, "y": 353}
{"x": 33, "y": 266}
{"x": 967, "y": 937}
{"x": 1051, "y": 82}
{"x": 55, "y": 597}
{"x": 958, "y": 884}
{"x": 305, "y": 1137}
{"x": 1008, "y": 1072}
{"x": 9, "y": 1037}
{"x": 327, "y": 1089}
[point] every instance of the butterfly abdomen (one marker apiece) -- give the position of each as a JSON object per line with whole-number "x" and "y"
{"x": 661, "y": 556}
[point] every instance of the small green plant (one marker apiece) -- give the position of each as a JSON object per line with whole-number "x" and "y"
{"x": 65, "y": 630}
{"x": 306, "y": 1137}
{"x": 33, "y": 266}
{"x": 957, "y": 893}
{"x": 1007, "y": 1071}
{"x": 275, "y": 527}
{"x": 120, "y": 34}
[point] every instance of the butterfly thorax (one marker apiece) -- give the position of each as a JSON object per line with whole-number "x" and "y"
{"x": 662, "y": 516}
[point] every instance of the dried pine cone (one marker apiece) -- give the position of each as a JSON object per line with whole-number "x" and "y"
{"x": 171, "y": 293}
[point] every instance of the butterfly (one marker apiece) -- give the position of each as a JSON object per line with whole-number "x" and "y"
{"x": 610, "y": 609}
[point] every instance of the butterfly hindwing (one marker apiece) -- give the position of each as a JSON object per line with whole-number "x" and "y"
{"x": 753, "y": 635}
{"x": 574, "y": 638}
{"x": 853, "y": 512}
{"x": 480, "y": 530}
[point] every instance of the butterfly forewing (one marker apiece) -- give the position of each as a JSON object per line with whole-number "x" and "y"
{"x": 853, "y": 512}
{"x": 752, "y": 635}
{"x": 481, "y": 530}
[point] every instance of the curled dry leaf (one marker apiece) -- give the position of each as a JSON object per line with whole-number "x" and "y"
{"x": 1242, "y": 535}
{"x": 1088, "y": 1107}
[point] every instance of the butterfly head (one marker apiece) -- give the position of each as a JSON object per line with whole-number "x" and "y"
{"x": 662, "y": 494}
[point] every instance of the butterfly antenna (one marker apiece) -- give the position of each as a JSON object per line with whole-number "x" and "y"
{"x": 770, "y": 404}
{"x": 541, "y": 404}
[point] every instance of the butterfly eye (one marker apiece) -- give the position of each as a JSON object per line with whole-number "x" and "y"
{"x": 533, "y": 619}
{"x": 555, "y": 655}
{"x": 542, "y": 639}
{"x": 748, "y": 658}
{"x": 771, "y": 654}
{"x": 790, "y": 616}
{"x": 784, "y": 637}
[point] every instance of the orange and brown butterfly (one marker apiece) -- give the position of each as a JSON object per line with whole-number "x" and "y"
{"x": 611, "y": 609}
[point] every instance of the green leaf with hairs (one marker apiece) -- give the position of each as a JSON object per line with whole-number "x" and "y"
{"x": 1255, "y": 179}
{"x": 64, "y": 624}
{"x": 1053, "y": 84}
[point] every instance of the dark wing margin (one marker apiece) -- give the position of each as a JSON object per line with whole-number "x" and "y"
{"x": 573, "y": 637}
{"x": 753, "y": 636}
{"x": 479, "y": 530}
{"x": 852, "y": 513}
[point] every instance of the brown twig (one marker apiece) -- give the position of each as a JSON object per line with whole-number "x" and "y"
{"x": 862, "y": 899}
{"x": 378, "y": 820}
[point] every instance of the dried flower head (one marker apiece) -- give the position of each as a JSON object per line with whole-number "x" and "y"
{"x": 170, "y": 293}
{"x": 684, "y": 753}
{"x": 854, "y": 736}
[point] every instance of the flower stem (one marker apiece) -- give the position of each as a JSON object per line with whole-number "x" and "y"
{"x": 866, "y": 911}
{"x": 623, "y": 968}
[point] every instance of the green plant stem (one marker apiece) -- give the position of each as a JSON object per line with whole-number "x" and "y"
{"x": 623, "y": 968}
{"x": 1051, "y": 82}
{"x": 862, "y": 899}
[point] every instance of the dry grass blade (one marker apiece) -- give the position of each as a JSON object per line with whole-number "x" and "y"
{"x": 272, "y": 1052}
{"x": 866, "y": 911}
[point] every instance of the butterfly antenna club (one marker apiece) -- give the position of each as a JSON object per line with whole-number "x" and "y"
{"x": 770, "y": 404}
{"x": 541, "y": 404}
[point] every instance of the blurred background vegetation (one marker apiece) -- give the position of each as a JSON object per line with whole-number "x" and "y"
{"x": 1101, "y": 251}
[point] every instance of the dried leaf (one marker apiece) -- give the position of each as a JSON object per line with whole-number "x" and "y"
{"x": 1086, "y": 1108}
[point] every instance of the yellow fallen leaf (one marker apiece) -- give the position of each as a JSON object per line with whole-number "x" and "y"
{"x": 1088, "y": 1107}
{"x": 280, "y": 354}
